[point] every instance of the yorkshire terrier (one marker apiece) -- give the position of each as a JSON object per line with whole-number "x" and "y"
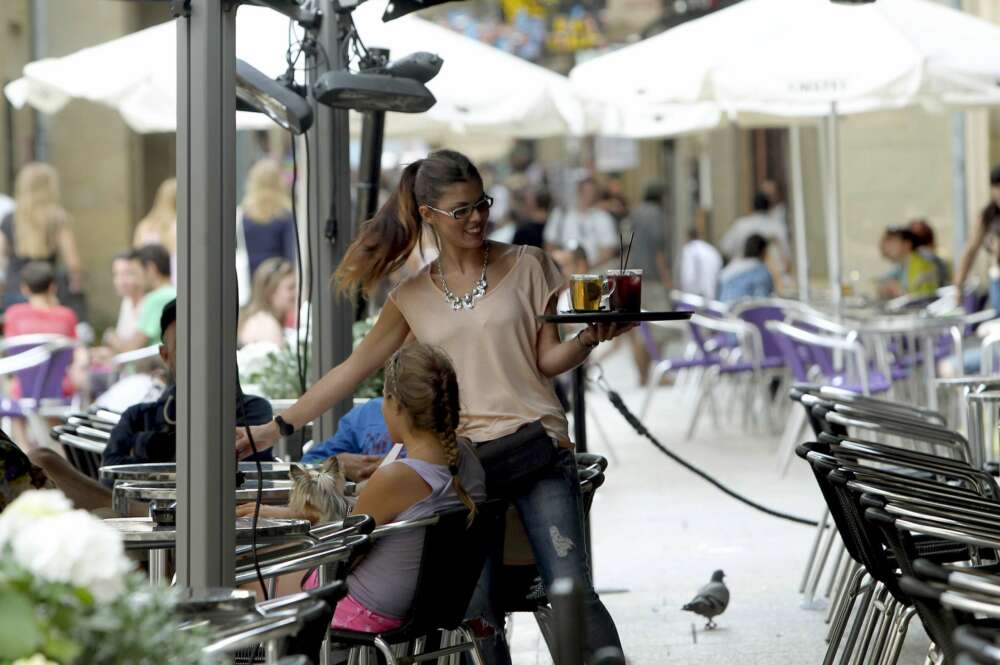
{"x": 318, "y": 494}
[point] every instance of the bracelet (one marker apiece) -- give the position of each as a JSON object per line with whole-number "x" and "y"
{"x": 579, "y": 340}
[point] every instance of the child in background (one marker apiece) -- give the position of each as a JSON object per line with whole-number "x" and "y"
{"x": 914, "y": 273}
{"x": 41, "y": 314}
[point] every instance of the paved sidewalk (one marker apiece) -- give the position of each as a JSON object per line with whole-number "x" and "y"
{"x": 659, "y": 532}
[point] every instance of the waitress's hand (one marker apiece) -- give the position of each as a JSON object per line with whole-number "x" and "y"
{"x": 264, "y": 436}
{"x": 603, "y": 332}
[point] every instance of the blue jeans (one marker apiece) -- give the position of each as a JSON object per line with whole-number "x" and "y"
{"x": 552, "y": 514}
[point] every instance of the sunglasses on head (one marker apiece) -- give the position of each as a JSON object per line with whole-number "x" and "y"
{"x": 462, "y": 213}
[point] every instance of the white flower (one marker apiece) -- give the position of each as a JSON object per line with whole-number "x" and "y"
{"x": 37, "y": 659}
{"x": 57, "y": 544}
{"x": 29, "y": 508}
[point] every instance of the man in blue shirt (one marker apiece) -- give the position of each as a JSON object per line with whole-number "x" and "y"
{"x": 361, "y": 441}
{"x": 747, "y": 276}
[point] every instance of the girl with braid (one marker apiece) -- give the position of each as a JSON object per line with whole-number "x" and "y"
{"x": 479, "y": 301}
{"x": 438, "y": 473}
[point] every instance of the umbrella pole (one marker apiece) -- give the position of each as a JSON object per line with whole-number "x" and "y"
{"x": 799, "y": 212}
{"x": 833, "y": 205}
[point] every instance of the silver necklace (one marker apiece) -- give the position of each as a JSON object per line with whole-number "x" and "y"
{"x": 469, "y": 300}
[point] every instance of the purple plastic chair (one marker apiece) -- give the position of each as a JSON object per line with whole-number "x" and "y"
{"x": 40, "y": 363}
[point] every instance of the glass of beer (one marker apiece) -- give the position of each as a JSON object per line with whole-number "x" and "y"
{"x": 586, "y": 292}
{"x": 625, "y": 290}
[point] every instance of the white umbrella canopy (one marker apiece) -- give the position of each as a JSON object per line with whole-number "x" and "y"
{"x": 480, "y": 89}
{"x": 797, "y": 57}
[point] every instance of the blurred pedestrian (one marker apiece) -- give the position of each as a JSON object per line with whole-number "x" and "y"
{"x": 913, "y": 274}
{"x": 267, "y": 223}
{"x": 988, "y": 226}
{"x": 777, "y": 210}
{"x": 6, "y": 205}
{"x": 584, "y": 225}
{"x": 923, "y": 235}
{"x": 759, "y": 222}
{"x": 37, "y": 230}
{"x": 531, "y": 223}
{"x": 275, "y": 298}
{"x": 700, "y": 266}
{"x": 747, "y": 276}
{"x": 650, "y": 246}
{"x": 159, "y": 226}
{"x": 126, "y": 275}
{"x": 156, "y": 276}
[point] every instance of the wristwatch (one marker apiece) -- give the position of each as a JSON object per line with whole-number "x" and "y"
{"x": 283, "y": 427}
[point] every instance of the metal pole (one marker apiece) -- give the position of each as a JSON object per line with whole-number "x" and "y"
{"x": 799, "y": 212}
{"x": 206, "y": 302}
{"x": 833, "y": 205}
{"x": 330, "y": 223}
{"x": 958, "y": 177}
{"x": 370, "y": 169}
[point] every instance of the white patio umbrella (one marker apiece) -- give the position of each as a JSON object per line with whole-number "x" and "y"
{"x": 480, "y": 89}
{"x": 807, "y": 58}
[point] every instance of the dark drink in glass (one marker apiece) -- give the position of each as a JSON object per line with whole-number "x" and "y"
{"x": 626, "y": 290}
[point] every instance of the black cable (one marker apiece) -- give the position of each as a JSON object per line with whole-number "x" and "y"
{"x": 299, "y": 365}
{"x": 259, "y": 498}
{"x": 637, "y": 425}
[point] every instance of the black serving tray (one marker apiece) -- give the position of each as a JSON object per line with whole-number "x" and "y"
{"x": 614, "y": 317}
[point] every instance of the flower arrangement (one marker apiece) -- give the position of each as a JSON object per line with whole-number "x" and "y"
{"x": 70, "y": 596}
{"x": 272, "y": 371}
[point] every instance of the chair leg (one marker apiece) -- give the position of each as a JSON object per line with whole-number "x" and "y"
{"x": 386, "y": 651}
{"x": 704, "y": 393}
{"x": 792, "y": 436}
{"x": 543, "y": 617}
{"x": 839, "y": 626}
{"x": 860, "y": 623}
{"x": 835, "y": 571}
{"x": 810, "y": 600}
{"x": 474, "y": 653}
{"x": 811, "y": 560}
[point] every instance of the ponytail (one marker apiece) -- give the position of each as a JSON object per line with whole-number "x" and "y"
{"x": 384, "y": 241}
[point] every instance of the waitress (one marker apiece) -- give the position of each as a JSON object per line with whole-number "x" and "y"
{"x": 479, "y": 302}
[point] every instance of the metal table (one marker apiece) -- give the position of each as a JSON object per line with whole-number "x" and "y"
{"x": 125, "y": 492}
{"x": 919, "y": 331}
{"x": 167, "y": 472}
{"x": 143, "y": 534}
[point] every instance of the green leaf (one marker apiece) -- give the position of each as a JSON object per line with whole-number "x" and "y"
{"x": 20, "y": 636}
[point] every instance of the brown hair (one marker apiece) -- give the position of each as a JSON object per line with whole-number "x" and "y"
{"x": 266, "y": 280}
{"x": 386, "y": 240}
{"x": 39, "y": 215}
{"x": 422, "y": 379}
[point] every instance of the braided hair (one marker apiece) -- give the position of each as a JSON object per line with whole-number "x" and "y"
{"x": 423, "y": 380}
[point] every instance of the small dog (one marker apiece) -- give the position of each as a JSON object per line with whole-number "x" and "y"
{"x": 318, "y": 495}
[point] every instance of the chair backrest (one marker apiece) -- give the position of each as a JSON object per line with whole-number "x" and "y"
{"x": 759, "y": 316}
{"x": 45, "y": 380}
{"x": 451, "y": 563}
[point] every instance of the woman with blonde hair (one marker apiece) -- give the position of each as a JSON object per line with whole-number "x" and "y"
{"x": 275, "y": 298}
{"x": 37, "y": 230}
{"x": 159, "y": 226}
{"x": 267, "y": 223}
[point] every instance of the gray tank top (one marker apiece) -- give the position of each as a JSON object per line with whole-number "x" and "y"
{"x": 386, "y": 579}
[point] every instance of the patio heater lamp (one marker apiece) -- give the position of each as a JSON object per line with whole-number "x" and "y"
{"x": 399, "y": 86}
{"x": 255, "y": 91}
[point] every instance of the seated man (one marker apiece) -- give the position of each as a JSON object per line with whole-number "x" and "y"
{"x": 147, "y": 433}
{"x": 362, "y": 439}
{"x": 748, "y": 276}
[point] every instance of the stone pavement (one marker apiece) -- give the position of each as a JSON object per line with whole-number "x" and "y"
{"x": 659, "y": 532}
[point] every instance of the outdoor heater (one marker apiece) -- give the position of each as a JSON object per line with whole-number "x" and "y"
{"x": 398, "y": 87}
{"x": 278, "y": 101}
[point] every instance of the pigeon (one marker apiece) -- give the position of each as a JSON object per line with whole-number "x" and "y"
{"x": 711, "y": 601}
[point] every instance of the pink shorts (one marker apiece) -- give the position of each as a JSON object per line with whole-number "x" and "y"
{"x": 352, "y": 615}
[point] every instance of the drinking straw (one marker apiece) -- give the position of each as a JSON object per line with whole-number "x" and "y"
{"x": 621, "y": 252}
{"x": 628, "y": 251}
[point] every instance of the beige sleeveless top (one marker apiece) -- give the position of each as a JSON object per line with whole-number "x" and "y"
{"x": 494, "y": 346}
